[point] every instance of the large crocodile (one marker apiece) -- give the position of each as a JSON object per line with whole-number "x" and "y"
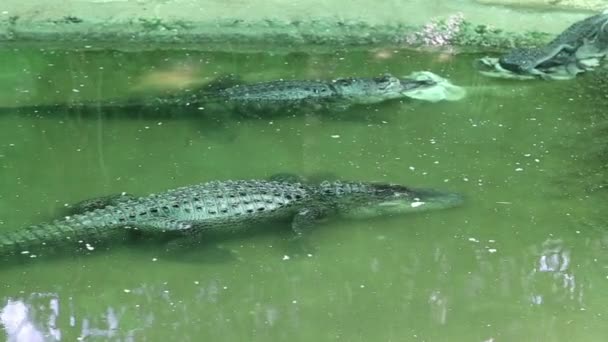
{"x": 221, "y": 205}
{"x": 577, "y": 49}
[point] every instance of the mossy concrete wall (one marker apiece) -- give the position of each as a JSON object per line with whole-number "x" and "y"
{"x": 129, "y": 23}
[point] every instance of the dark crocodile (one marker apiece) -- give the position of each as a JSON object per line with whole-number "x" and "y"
{"x": 272, "y": 98}
{"x": 280, "y": 97}
{"x": 221, "y": 206}
{"x": 573, "y": 51}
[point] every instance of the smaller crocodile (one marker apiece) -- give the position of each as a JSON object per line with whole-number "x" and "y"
{"x": 285, "y": 97}
{"x": 577, "y": 49}
{"x": 281, "y": 97}
{"x": 220, "y": 206}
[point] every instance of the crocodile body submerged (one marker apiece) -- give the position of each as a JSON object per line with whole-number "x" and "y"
{"x": 221, "y": 205}
{"x": 284, "y": 96}
{"x": 267, "y": 98}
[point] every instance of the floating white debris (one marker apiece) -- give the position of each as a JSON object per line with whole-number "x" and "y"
{"x": 294, "y": 301}
{"x": 416, "y": 204}
{"x": 285, "y": 257}
{"x": 309, "y": 255}
{"x": 89, "y": 247}
{"x": 335, "y": 136}
{"x": 412, "y": 168}
{"x": 472, "y": 239}
{"x": 126, "y": 291}
{"x": 25, "y": 252}
{"x": 492, "y": 250}
{"x": 519, "y": 169}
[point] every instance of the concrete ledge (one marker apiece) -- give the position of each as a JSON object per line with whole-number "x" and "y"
{"x": 123, "y": 23}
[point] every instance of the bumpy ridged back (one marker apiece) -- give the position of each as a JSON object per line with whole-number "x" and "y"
{"x": 224, "y": 203}
{"x": 209, "y": 205}
{"x": 280, "y": 91}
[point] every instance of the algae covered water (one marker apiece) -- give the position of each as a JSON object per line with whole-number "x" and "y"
{"x": 523, "y": 259}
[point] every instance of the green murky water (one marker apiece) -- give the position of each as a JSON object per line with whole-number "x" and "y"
{"x": 524, "y": 260}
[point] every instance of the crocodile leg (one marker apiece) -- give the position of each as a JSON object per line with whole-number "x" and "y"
{"x": 306, "y": 218}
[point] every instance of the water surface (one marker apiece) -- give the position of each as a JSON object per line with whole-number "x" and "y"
{"x": 523, "y": 259}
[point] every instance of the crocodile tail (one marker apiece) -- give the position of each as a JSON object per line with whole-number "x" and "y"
{"x": 42, "y": 239}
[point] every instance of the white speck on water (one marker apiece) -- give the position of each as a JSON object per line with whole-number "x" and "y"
{"x": 527, "y": 155}
{"x": 294, "y": 301}
{"x": 25, "y": 252}
{"x": 159, "y": 123}
{"x": 127, "y": 291}
{"x": 492, "y": 250}
{"x": 519, "y": 169}
{"x": 4, "y": 12}
{"x": 362, "y": 286}
{"x": 491, "y": 241}
{"x": 196, "y": 282}
{"x": 472, "y": 239}
{"x": 412, "y": 168}
{"x": 154, "y": 259}
{"x": 89, "y": 247}
{"x": 285, "y": 257}
{"x": 76, "y": 90}
{"x": 309, "y": 255}
{"x": 335, "y": 136}
{"x": 465, "y": 179}
{"x": 416, "y": 204}
{"x": 225, "y": 287}
{"x": 537, "y": 160}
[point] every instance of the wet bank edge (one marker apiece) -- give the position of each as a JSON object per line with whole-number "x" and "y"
{"x": 135, "y": 25}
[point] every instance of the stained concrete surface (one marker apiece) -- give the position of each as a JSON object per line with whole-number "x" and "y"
{"x": 296, "y": 22}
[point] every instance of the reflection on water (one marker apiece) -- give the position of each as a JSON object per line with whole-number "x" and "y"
{"x": 36, "y": 320}
{"x": 16, "y": 319}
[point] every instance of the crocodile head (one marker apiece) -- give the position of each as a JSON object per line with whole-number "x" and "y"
{"x": 377, "y": 89}
{"x": 575, "y": 50}
{"x": 390, "y": 199}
